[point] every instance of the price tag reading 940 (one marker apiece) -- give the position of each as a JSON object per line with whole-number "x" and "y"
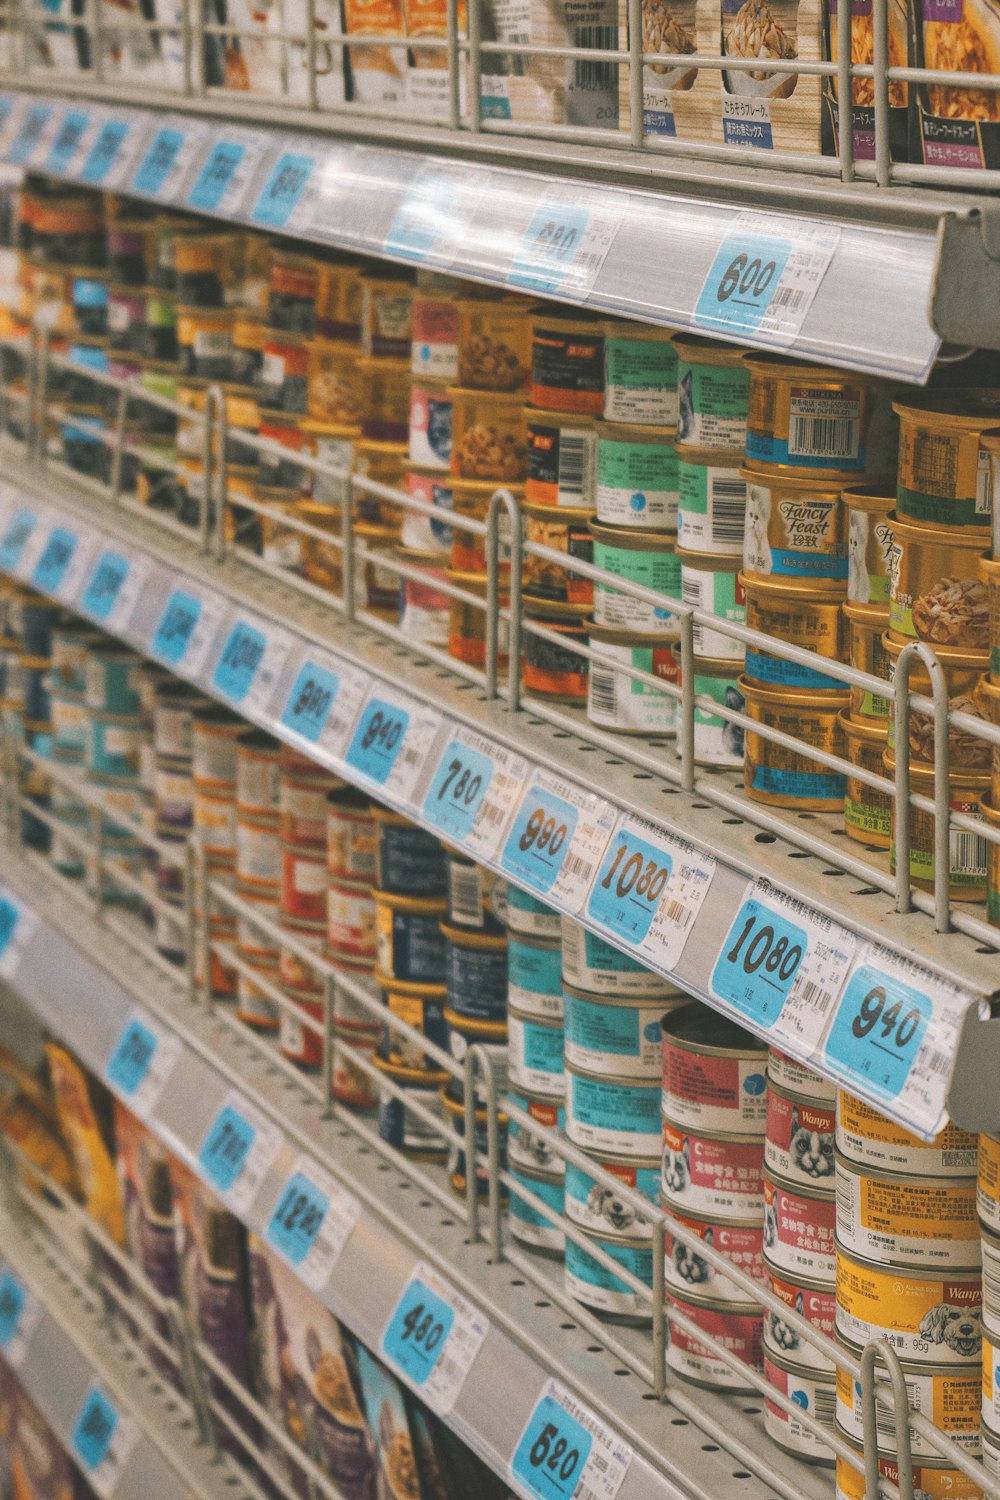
{"x": 223, "y": 181}
{"x": 114, "y": 587}
{"x": 102, "y": 1439}
{"x": 187, "y": 629}
{"x": 565, "y": 245}
{"x": 19, "y": 1314}
{"x": 237, "y": 1152}
{"x": 391, "y": 740}
{"x": 433, "y": 1336}
{"x": 143, "y": 1058}
{"x": 782, "y": 966}
{"x": 566, "y": 1450}
{"x": 765, "y": 276}
{"x": 472, "y": 791}
{"x": 648, "y": 890}
{"x": 252, "y": 660}
{"x": 557, "y": 839}
{"x": 311, "y": 1221}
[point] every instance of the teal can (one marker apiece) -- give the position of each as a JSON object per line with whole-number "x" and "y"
{"x": 112, "y": 681}
{"x": 113, "y": 746}
{"x": 648, "y": 558}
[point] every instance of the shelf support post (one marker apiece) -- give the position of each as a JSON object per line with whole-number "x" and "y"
{"x": 871, "y": 1355}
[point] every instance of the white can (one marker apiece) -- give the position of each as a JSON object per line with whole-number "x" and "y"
{"x": 536, "y": 1054}
{"x": 811, "y": 1393}
{"x": 616, "y": 699}
{"x": 799, "y": 1141}
{"x": 712, "y": 585}
{"x": 713, "y": 1073}
{"x": 907, "y": 1221}
{"x": 991, "y": 1383}
{"x": 871, "y": 1139}
{"x": 607, "y": 1115}
{"x": 951, "y": 1399}
{"x": 591, "y": 964}
{"x": 717, "y": 1175}
{"x": 799, "y": 1230}
{"x": 529, "y": 917}
{"x": 612, "y": 1037}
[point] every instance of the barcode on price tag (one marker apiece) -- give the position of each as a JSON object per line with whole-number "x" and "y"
{"x": 17, "y": 924}
{"x": 142, "y": 1061}
{"x": 187, "y": 629}
{"x": 114, "y": 588}
{"x": 251, "y": 662}
{"x": 557, "y": 839}
{"x": 222, "y": 184}
{"x": 165, "y": 166}
{"x": 472, "y": 791}
{"x": 237, "y": 1152}
{"x": 102, "y": 1439}
{"x": 68, "y": 136}
{"x": 782, "y": 966}
{"x": 435, "y": 210}
{"x": 392, "y": 739}
{"x": 311, "y": 1221}
{"x": 565, "y": 245}
{"x": 566, "y": 1452}
{"x": 18, "y": 530}
{"x": 19, "y": 1314}
{"x": 765, "y": 276}
{"x": 433, "y": 1336}
{"x": 648, "y": 890}
{"x": 893, "y": 1036}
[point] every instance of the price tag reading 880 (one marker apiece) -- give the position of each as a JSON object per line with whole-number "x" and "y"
{"x": 566, "y": 1450}
{"x": 648, "y": 890}
{"x": 433, "y": 1336}
{"x": 564, "y": 246}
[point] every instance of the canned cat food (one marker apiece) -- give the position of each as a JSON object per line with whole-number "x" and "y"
{"x": 717, "y": 685}
{"x": 302, "y": 811}
{"x": 567, "y": 362}
{"x": 738, "y": 1329}
{"x": 868, "y": 651}
{"x": 173, "y": 796}
{"x": 214, "y": 734}
{"x": 637, "y": 477}
{"x": 943, "y": 477}
{"x": 813, "y": 1300}
{"x": 601, "y": 1210}
{"x": 536, "y": 1054}
{"x": 476, "y": 969}
{"x": 950, "y": 1399}
{"x": 616, "y": 699}
{"x": 529, "y": 917}
{"x": 113, "y": 745}
{"x": 798, "y": 1146}
{"x": 527, "y": 1225}
{"x": 303, "y": 884}
{"x": 795, "y": 1078}
{"x": 350, "y": 917}
{"x": 398, "y": 1126}
{"x": 205, "y": 342}
{"x": 795, "y": 530}
{"x": 562, "y": 451}
{"x": 471, "y": 497}
{"x": 494, "y": 344}
{"x": 284, "y": 373}
{"x": 809, "y": 1392}
{"x": 991, "y": 1389}
{"x": 611, "y": 1036}
{"x": 350, "y": 835}
{"x": 476, "y": 897}
{"x": 869, "y": 544}
{"x": 421, "y": 1007}
{"x": 215, "y": 824}
{"x": 813, "y": 621}
{"x": 435, "y": 336}
{"x": 817, "y": 422}
{"x": 713, "y": 388}
{"x": 620, "y": 1117}
{"x": 564, "y": 530}
{"x": 907, "y": 1221}
{"x": 385, "y": 401}
{"x": 712, "y": 501}
{"x": 550, "y": 668}
{"x": 867, "y": 811}
{"x": 531, "y": 1146}
{"x": 646, "y": 558}
{"x": 711, "y": 584}
{"x": 409, "y": 861}
{"x": 430, "y": 424}
{"x": 427, "y": 533}
{"x": 258, "y": 853}
{"x": 936, "y": 593}
{"x": 111, "y": 679}
{"x": 592, "y": 965}
{"x": 926, "y": 1317}
{"x": 785, "y": 778}
{"x": 713, "y": 1073}
{"x": 799, "y": 1230}
{"x": 489, "y": 436}
{"x": 300, "y": 1037}
{"x": 714, "y": 1175}
{"x": 173, "y": 719}
{"x": 386, "y": 316}
{"x": 689, "y": 1273}
{"x": 968, "y": 872}
{"x": 335, "y": 393}
{"x": 640, "y": 375}
{"x": 534, "y": 975}
{"x": 467, "y": 620}
{"x": 409, "y": 944}
{"x": 871, "y": 1139}
{"x": 933, "y": 1480}
{"x": 595, "y": 1286}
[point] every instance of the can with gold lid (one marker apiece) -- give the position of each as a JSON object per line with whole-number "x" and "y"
{"x": 561, "y": 458}
{"x": 565, "y": 530}
{"x": 782, "y": 777}
{"x": 867, "y": 810}
{"x": 615, "y": 699}
{"x": 552, "y": 668}
{"x": 494, "y": 344}
{"x": 637, "y": 476}
{"x": 472, "y": 497}
{"x": 336, "y": 392}
{"x": 866, "y": 637}
{"x": 936, "y": 593}
{"x": 489, "y": 436}
{"x": 795, "y": 529}
{"x": 943, "y": 478}
{"x": 813, "y": 421}
{"x": 713, "y": 384}
{"x": 567, "y": 361}
{"x": 640, "y": 374}
{"x": 967, "y": 851}
{"x": 869, "y": 544}
{"x": 812, "y": 621}
{"x": 968, "y": 692}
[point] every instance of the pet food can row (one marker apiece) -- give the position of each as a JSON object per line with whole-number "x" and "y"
{"x": 713, "y": 1073}
{"x": 534, "y": 977}
{"x": 688, "y": 1272}
{"x": 527, "y": 1224}
{"x": 612, "y": 1036}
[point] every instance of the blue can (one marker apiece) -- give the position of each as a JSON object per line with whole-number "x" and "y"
{"x": 409, "y": 944}
{"x": 400, "y": 1127}
{"x": 529, "y": 916}
{"x": 595, "y": 1286}
{"x": 534, "y": 974}
{"x": 529, "y": 1226}
{"x": 409, "y": 860}
{"x": 476, "y": 973}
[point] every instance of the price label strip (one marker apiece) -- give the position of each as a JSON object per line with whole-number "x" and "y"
{"x": 284, "y": 191}
{"x": 187, "y": 629}
{"x": 565, "y": 245}
{"x": 114, "y": 588}
{"x": 782, "y": 966}
{"x": 30, "y": 135}
{"x": 142, "y": 1061}
{"x": 102, "y": 1439}
{"x": 68, "y": 139}
{"x": 765, "y": 277}
{"x": 433, "y": 1336}
{"x": 311, "y": 1221}
{"x": 566, "y": 1451}
{"x": 20, "y": 1311}
{"x": 472, "y": 791}
{"x": 57, "y": 554}
{"x": 648, "y": 890}
{"x": 558, "y": 838}
{"x": 166, "y": 165}
{"x": 392, "y": 739}
{"x": 893, "y": 1035}
{"x": 17, "y": 925}
{"x": 237, "y": 1152}
{"x": 431, "y": 221}
{"x": 226, "y": 175}
{"x": 17, "y": 532}
{"x": 251, "y": 662}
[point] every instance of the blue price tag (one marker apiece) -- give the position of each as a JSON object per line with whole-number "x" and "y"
{"x": 759, "y": 961}
{"x": 51, "y": 566}
{"x": 377, "y": 739}
{"x": 310, "y": 701}
{"x": 105, "y": 585}
{"x": 9, "y": 917}
{"x": 177, "y": 623}
{"x": 540, "y": 838}
{"x": 95, "y": 1427}
{"x": 628, "y": 886}
{"x": 743, "y": 279}
{"x": 877, "y": 1031}
{"x": 549, "y": 247}
{"x": 460, "y": 783}
{"x": 226, "y": 1148}
{"x": 14, "y": 540}
{"x": 29, "y": 134}
{"x": 68, "y": 138}
{"x": 157, "y": 162}
{"x": 216, "y": 175}
{"x": 552, "y": 1453}
{"x": 12, "y": 1300}
{"x": 131, "y": 1059}
{"x": 102, "y": 154}
{"x": 241, "y": 657}
{"x": 282, "y": 191}
{"x": 418, "y": 1331}
{"x": 298, "y": 1218}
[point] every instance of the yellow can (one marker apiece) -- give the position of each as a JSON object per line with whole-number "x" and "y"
{"x": 967, "y": 851}
{"x": 796, "y": 530}
{"x": 867, "y": 811}
{"x": 471, "y": 497}
{"x": 936, "y": 1481}
{"x": 989, "y": 572}
{"x": 336, "y": 391}
{"x": 968, "y": 691}
{"x": 384, "y": 393}
{"x": 927, "y": 1316}
{"x": 788, "y": 778}
{"x": 869, "y": 545}
{"x": 813, "y": 621}
{"x": 489, "y": 435}
{"x": 988, "y": 1181}
{"x": 494, "y": 344}
{"x": 338, "y": 299}
{"x": 936, "y": 591}
{"x": 867, "y": 1136}
{"x": 816, "y": 422}
{"x": 383, "y": 463}
{"x": 943, "y": 478}
{"x": 866, "y": 651}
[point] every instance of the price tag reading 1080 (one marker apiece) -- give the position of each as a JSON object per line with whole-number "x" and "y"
{"x": 759, "y": 961}
{"x": 628, "y": 886}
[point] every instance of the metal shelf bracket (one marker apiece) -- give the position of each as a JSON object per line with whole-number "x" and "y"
{"x": 965, "y": 284}
{"x": 972, "y": 1095}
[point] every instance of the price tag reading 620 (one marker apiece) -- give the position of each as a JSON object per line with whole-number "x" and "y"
{"x": 566, "y": 1450}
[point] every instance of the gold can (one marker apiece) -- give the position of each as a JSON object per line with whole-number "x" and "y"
{"x": 467, "y": 621}
{"x": 989, "y": 573}
{"x": 988, "y": 695}
{"x": 795, "y": 530}
{"x": 967, "y": 850}
{"x": 816, "y": 422}
{"x": 385, "y": 399}
{"x": 563, "y": 530}
{"x": 814, "y": 621}
{"x": 869, "y": 545}
{"x": 789, "y": 778}
{"x": 943, "y": 478}
{"x": 867, "y": 811}
{"x": 964, "y": 676}
{"x": 383, "y": 463}
{"x": 494, "y": 344}
{"x": 866, "y": 651}
{"x": 992, "y": 818}
{"x": 386, "y": 315}
{"x": 471, "y": 497}
{"x": 338, "y": 300}
{"x": 489, "y": 435}
{"x": 336, "y": 445}
{"x": 936, "y": 590}
{"x": 321, "y": 561}
{"x": 336, "y": 391}
{"x": 936, "y": 1481}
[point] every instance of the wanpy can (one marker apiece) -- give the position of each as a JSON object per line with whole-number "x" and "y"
{"x": 494, "y": 343}
{"x": 350, "y": 916}
{"x": 936, "y": 593}
{"x": 799, "y": 1230}
{"x": 400, "y": 1127}
{"x": 640, "y": 374}
{"x": 214, "y": 734}
{"x": 430, "y": 535}
{"x": 712, "y": 501}
{"x": 434, "y": 323}
{"x": 302, "y": 809}
{"x": 812, "y": 1393}
{"x": 718, "y": 741}
{"x": 812, "y": 621}
{"x": 713, "y": 388}
{"x": 532, "y": 1145}
{"x": 795, "y": 530}
{"x": 943, "y": 475}
{"x": 867, "y": 810}
{"x": 258, "y": 778}
{"x": 990, "y": 1246}
{"x": 350, "y": 835}
{"x": 713, "y": 1073}
{"x": 637, "y": 477}
{"x": 688, "y": 1272}
{"x": 476, "y": 973}
{"x": 618, "y": 700}
{"x": 870, "y": 1138}
{"x": 551, "y": 666}
{"x": 536, "y": 1054}
{"x": 454, "y": 1112}
{"x": 527, "y": 1225}
{"x": 621, "y": 1117}
{"x": 816, "y": 1301}
{"x": 409, "y": 861}
{"x": 988, "y": 1183}
{"x": 563, "y": 530}
{"x": 796, "y": 1078}
{"x": 781, "y": 777}
{"x": 603, "y": 1210}
{"x": 592, "y": 965}
{"x": 799, "y": 1143}
{"x": 818, "y": 422}
{"x": 534, "y": 977}
{"x": 968, "y": 871}
{"x": 562, "y": 459}
{"x": 646, "y": 558}
{"x": 951, "y": 1399}
{"x": 869, "y": 543}
{"x": 935, "y": 1480}
{"x": 567, "y": 361}
{"x": 596, "y": 1286}
{"x": 111, "y": 684}
{"x": 712, "y": 1174}
{"x": 477, "y": 898}
{"x": 737, "y": 1328}
{"x": 928, "y": 1317}
{"x": 711, "y": 584}
{"x": 409, "y": 944}
{"x": 991, "y": 1391}
{"x": 867, "y": 649}
{"x": 529, "y": 917}
{"x": 907, "y": 1220}
{"x": 421, "y": 1007}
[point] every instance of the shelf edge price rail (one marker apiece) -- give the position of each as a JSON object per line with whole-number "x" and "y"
{"x": 433, "y": 1336}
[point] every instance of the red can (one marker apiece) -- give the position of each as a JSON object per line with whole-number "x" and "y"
{"x": 799, "y": 1230}
{"x": 799, "y": 1145}
{"x": 350, "y": 921}
{"x": 738, "y": 1329}
{"x": 690, "y": 1275}
{"x": 303, "y": 884}
{"x": 718, "y": 1176}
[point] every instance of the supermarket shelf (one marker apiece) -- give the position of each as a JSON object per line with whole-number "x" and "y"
{"x": 945, "y": 1064}
{"x": 61, "y": 1348}
{"x": 67, "y": 967}
{"x": 876, "y": 282}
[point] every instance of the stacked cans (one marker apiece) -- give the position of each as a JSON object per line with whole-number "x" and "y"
{"x": 112, "y": 754}
{"x": 714, "y": 1111}
{"x": 258, "y": 875}
{"x": 67, "y": 687}
{"x": 351, "y": 940}
{"x": 988, "y": 1206}
{"x": 909, "y": 1272}
{"x": 214, "y": 735}
{"x": 171, "y": 767}
{"x": 799, "y": 1179}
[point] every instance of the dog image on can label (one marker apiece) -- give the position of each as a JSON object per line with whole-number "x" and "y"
{"x": 605, "y": 1210}
{"x": 926, "y": 1317}
{"x": 799, "y": 1141}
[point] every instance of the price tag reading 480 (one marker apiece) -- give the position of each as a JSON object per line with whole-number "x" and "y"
{"x": 566, "y": 1450}
{"x": 433, "y": 1336}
